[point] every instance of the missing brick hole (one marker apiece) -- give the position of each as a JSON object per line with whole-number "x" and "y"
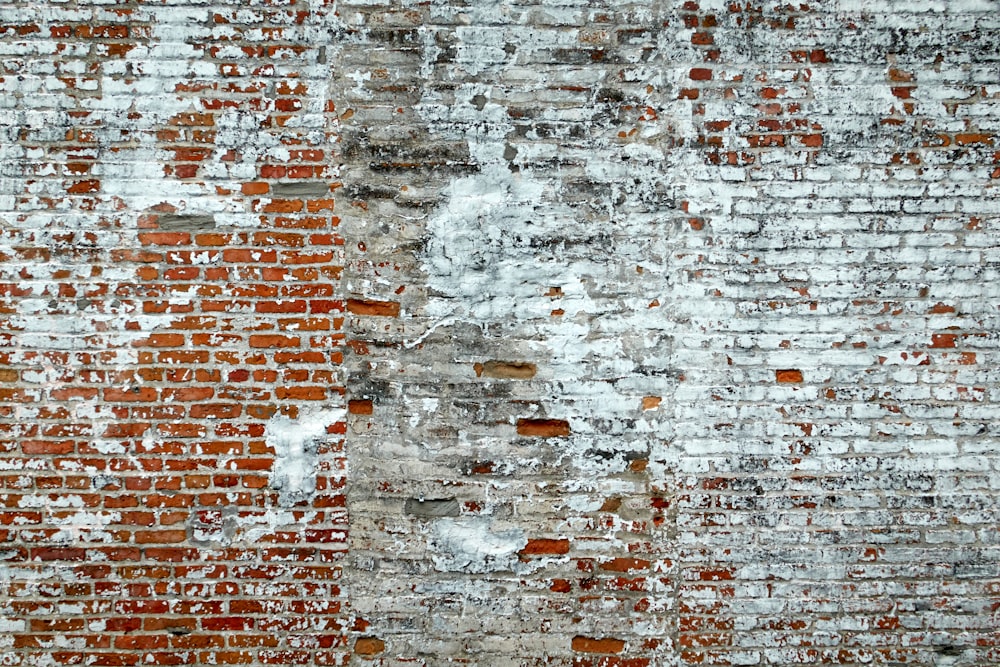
{"x": 948, "y": 649}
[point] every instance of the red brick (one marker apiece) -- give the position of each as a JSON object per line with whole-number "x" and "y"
{"x": 788, "y": 375}
{"x": 969, "y": 138}
{"x": 370, "y": 307}
{"x": 165, "y": 238}
{"x": 592, "y": 645}
{"x": 360, "y": 407}
{"x": 274, "y": 341}
{"x": 543, "y": 428}
{"x": 368, "y": 646}
{"x": 135, "y": 393}
{"x": 84, "y": 187}
{"x": 625, "y": 564}
{"x": 546, "y": 546}
{"x": 943, "y": 340}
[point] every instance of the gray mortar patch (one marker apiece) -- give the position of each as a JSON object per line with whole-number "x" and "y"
{"x": 193, "y": 222}
{"x": 431, "y": 508}
{"x": 303, "y": 189}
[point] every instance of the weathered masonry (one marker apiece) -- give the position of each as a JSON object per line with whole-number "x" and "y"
{"x": 570, "y": 333}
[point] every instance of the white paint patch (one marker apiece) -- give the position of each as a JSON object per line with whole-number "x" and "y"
{"x": 107, "y": 447}
{"x": 471, "y": 545}
{"x": 428, "y": 406}
{"x": 59, "y": 502}
{"x": 486, "y": 247}
{"x": 480, "y": 242}
{"x": 253, "y": 528}
{"x": 86, "y": 527}
{"x": 12, "y": 625}
{"x": 296, "y": 456}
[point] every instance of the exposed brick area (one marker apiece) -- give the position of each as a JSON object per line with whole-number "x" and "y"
{"x": 559, "y": 333}
{"x": 171, "y": 264}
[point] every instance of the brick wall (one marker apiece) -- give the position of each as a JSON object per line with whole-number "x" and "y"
{"x": 568, "y": 333}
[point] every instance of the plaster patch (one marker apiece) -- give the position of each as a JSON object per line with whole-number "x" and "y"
{"x": 473, "y": 545}
{"x": 487, "y": 242}
{"x": 296, "y": 454}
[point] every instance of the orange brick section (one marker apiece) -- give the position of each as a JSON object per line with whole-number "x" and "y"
{"x": 368, "y": 646}
{"x": 360, "y": 407}
{"x": 543, "y": 428}
{"x": 546, "y": 546}
{"x": 604, "y": 645}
